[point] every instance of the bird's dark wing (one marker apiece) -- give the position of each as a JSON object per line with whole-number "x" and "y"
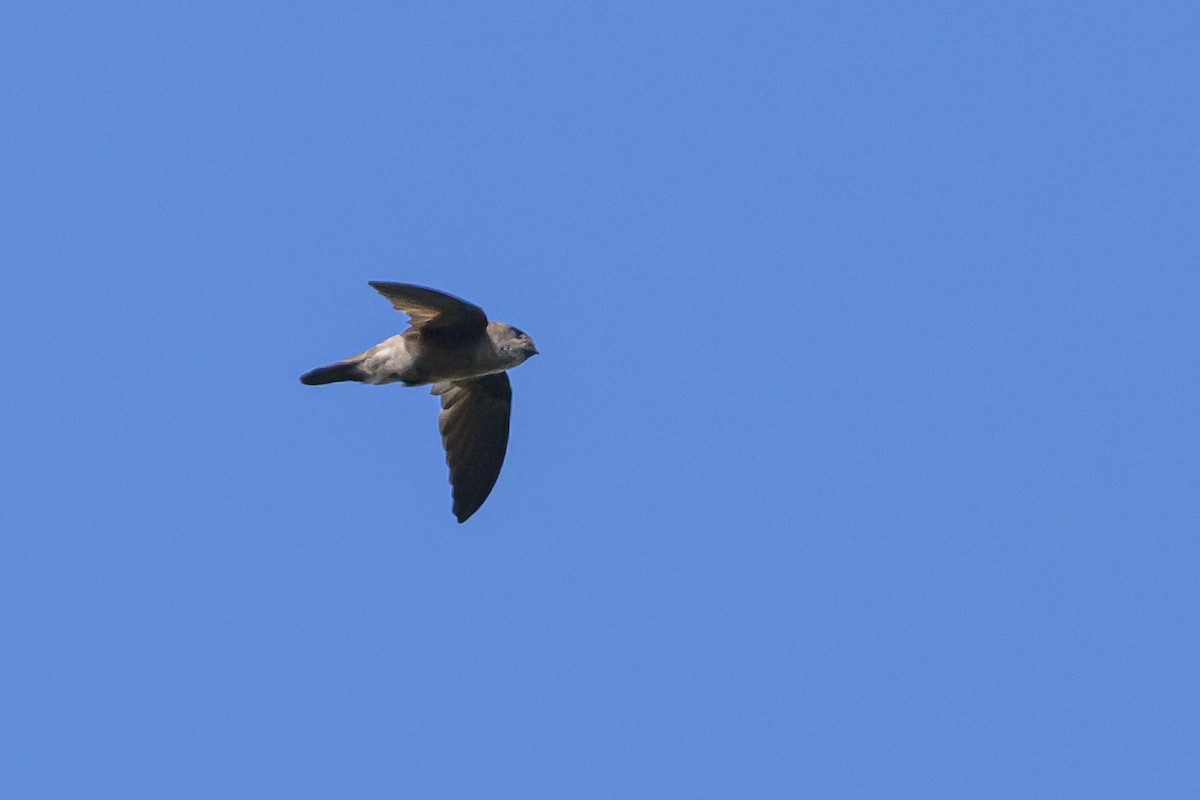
{"x": 474, "y": 426}
{"x": 435, "y": 313}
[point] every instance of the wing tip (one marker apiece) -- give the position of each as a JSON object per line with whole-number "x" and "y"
{"x": 386, "y": 286}
{"x": 464, "y": 507}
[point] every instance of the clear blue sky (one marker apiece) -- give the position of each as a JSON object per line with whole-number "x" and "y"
{"x": 860, "y": 460}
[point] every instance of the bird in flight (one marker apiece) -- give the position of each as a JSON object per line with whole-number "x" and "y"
{"x": 450, "y": 344}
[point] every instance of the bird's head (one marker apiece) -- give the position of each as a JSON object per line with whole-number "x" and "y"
{"x": 513, "y": 343}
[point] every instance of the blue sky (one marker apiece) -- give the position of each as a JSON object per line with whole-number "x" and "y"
{"x": 860, "y": 459}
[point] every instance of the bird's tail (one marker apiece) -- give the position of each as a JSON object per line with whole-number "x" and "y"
{"x": 333, "y": 373}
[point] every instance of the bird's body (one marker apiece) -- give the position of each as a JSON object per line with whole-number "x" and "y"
{"x": 452, "y": 346}
{"x": 406, "y": 358}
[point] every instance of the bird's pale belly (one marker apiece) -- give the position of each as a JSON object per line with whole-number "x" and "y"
{"x": 394, "y": 361}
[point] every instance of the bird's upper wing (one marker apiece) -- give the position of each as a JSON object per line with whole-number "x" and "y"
{"x": 435, "y": 313}
{"x": 474, "y": 426}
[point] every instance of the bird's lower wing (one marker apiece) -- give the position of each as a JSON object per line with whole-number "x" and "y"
{"x": 474, "y": 425}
